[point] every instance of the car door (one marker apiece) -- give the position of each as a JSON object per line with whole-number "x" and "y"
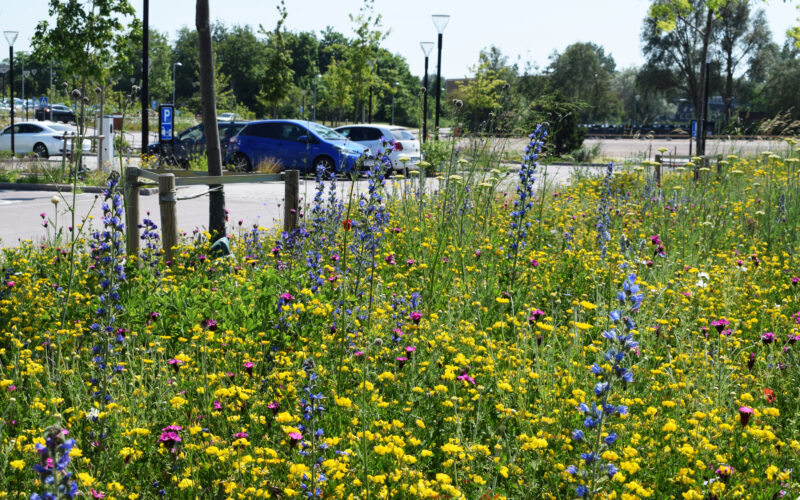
{"x": 25, "y": 137}
{"x": 5, "y": 139}
{"x": 259, "y": 141}
{"x": 295, "y": 151}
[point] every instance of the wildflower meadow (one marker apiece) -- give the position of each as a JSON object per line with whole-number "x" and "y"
{"x": 488, "y": 335}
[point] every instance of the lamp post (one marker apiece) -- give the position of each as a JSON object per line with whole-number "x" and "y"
{"x": 11, "y": 37}
{"x": 173, "y": 81}
{"x": 314, "y": 107}
{"x": 394, "y": 91}
{"x": 145, "y": 74}
{"x": 426, "y": 49}
{"x": 701, "y": 126}
{"x": 440, "y": 21}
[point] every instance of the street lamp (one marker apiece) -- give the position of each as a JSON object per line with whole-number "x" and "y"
{"x": 394, "y": 91}
{"x": 173, "y": 81}
{"x": 11, "y": 37}
{"x": 426, "y": 49}
{"x": 314, "y": 108}
{"x": 440, "y": 21}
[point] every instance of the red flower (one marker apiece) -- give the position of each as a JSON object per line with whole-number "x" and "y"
{"x": 347, "y": 224}
{"x": 769, "y": 394}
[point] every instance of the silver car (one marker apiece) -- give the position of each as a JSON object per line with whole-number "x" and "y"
{"x": 406, "y": 152}
{"x": 42, "y": 138}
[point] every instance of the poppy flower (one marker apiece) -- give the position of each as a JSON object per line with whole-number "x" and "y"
{"x": 347, "y": 224}
{"x": 769, "y": 395}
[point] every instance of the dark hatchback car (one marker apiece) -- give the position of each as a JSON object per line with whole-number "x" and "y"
{"x": 60, "y": 113}
{"x": 191, "y": 143}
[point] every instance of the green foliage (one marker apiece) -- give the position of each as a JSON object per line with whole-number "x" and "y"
{"x": 437, "y": 154}
{"x": 583, "y": 72}
{"x": 360, "y": 51}
{"x": 276, "y": 78}
{"x": 87, "y": 38}
{"x": 482, "y": 94}
{"x": 562, "y": 119}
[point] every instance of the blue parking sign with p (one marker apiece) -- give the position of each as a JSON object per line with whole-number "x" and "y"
{"x": 166, "y": 122}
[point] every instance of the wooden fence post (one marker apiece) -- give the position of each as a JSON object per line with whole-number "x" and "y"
{"x": 659, "y": 163}
{"x": 132, "y": 209}
{"x": 291, "y": 199}
{"x": 167, "y": 201}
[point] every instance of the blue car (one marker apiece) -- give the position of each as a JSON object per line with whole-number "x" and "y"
{"x": 294, "y": 144}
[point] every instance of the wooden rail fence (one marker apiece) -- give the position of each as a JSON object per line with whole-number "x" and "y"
{"x": 168, "y": 181}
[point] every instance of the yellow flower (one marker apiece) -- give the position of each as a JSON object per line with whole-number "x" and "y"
{"x": 18, "y": 464}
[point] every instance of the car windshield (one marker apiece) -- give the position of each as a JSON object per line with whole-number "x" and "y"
{"x": 402, "y": 135}
{"x": 326, "y": 133}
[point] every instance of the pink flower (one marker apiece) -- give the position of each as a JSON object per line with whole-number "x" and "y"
{"x": 97, "y": 494}
{"x": 536, "y": 314}
{"x": 240, "y": 435}
{"x": 294, "y": 437}
{"x": 390, "y": 260}
{"x": 768, "y": 337}
{"x": 274, "y": 406}
{"x": 465, "y": 377}
{"x": 286, "y": 297}
{"x": 248, "y": 367}
{"x": 401, "y": 360}
{"x": 11, "y": 284}
{"x": 745, "y": 412}
{"x": 416, "y": 316}
{"x": 720, "y": 324}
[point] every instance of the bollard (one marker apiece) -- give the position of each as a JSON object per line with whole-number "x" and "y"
{"x": 132, "y": 209}
{"x": 167, "y": 201}
{"x": 291, "y": 199}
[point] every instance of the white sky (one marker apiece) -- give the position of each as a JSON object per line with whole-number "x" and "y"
{"x": 525, "y": 30}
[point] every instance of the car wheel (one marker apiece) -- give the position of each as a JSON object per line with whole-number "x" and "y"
{"x": 241, "y": 163}
{"x": 327, "y": 165}
{"x": 41, "y": 150}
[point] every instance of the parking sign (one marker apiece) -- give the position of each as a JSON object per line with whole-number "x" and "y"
{"x": 166, "y": 122}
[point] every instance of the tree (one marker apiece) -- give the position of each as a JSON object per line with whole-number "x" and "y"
{"x": 185, "y": 52}
{"x": 691, "y": 24}
{"x": 276, "y": 77}
{"x": 583, "y": 72}
{"x": 482, "y": 93}
{"x": 216, "y": 198}
{"x": 87, "y": 36}
{"x": 360, "y": 51}
{"x": 740, "y": 38}
{"x": 334, "y": 92}
{"x": 240, "y": 54}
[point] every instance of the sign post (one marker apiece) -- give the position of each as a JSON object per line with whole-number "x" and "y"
{"x": 166, "y": 126}
{"x": 43, "y": 105}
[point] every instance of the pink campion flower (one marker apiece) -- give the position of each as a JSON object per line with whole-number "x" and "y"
{"x": 358, "y": 353}
{"x": 42, "y": 215}
{"x": 466, "y": 378}
{"x": 535, "y": 316}
{"x": 720, "y": 324}
{"x": 768, "y": 337}
{"x": 169, "y": 439}
{"x": 534, "y": 262}
{"x": 217, "y": 405}
{"x": 294, "y": 438}
{"x": 248, "y": 367}
{"x": 11, "y": 388}
{"x": 390, "y": 260}
{"x": 795, "y": 281}
{"x": 792, "y": 338}
{"x": 274, "y": 407}
{"x": 175, "y": 363}
{"x": 410, "y": 350}
{"x": 751, "y": 361}
{"x": 415, "y": 317}
{"x": 745, "y": 412}
{"x": 411, "y": 262}
{"x": 286, "y": 297}
{"x": 240, "y": 435}
{"x": 97, "y": 494}
{"x": 401, "y": 360}
{"x": 11, "y": 284}
{"x": 477, "y": 254}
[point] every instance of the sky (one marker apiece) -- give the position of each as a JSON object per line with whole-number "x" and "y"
{"x": 528, "y": 31}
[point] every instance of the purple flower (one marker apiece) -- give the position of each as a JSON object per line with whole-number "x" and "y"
{"x": 745, "y": 412}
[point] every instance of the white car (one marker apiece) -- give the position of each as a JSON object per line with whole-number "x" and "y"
{"x": 42, "y": 138}
{"x": 370, "y": 135}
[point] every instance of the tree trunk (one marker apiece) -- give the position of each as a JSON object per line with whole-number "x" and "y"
{"x": 728, "y": 90}
{"x": 701, "y": 128}
{"x": 216, "y": 199}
